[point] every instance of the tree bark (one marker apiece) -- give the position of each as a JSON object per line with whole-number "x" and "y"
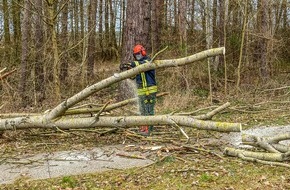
{"x": 182, "y": 26}
{"x": 122, "y": 121}
{"x": 39, "y": 55}
{"x": 157, "y": 24}
{"x": 25, "y": 55}
{"x": 113, "y": 41}
{"x": 136, "y": 31}
{"x": 263, "y": 41}
{"x": 65, "y": 42}
{"x": 245, "y": 20}
{"x": 16, "y": 4}
{"x": 92, "y": 38}
{"x": 53, "y": 37}
{"x": 7, "y": 40}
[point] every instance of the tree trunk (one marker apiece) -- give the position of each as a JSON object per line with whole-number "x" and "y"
{"x": 182, "y": 26}
{"x": 76, "y": 19}
{"x": 156, "y": 24}
{"x": 65, "y": 42}
{"x": 209, "y": 41}
{"x": 92, "y": 39}
{"x": 192, "y": 17}
{"x": 113, "y": 41}
{"x": 117, "y": 122}
{"x": 7, "y": 39}
{"x": 16, "y": 30}
{"x": 245, "y": 20}
{"x": 136, "y": 31}
{"x": 53, "y": 37}
{"x": 285, "y": 14}
{"x": 101, "y": 24}
{"x": 223, "y": 9}
{"x": 107, "y": 28}
{"x": 39, "y": 55}
{"x": 264, "y": 67}
{"x": 25, "y": 55}
{"x": 82, "y": 23}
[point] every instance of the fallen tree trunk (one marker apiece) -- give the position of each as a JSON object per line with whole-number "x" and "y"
{"x": 77, "y": 111}
{"x": 55, "y": 117}
{"x": 122, "y": 121}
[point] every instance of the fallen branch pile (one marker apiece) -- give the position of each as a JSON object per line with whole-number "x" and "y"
{"x": 269, "y": 150}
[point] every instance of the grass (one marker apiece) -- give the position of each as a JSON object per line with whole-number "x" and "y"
{"x": 227, "y": 174}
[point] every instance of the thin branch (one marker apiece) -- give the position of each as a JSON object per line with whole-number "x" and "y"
{"x": 180, "y": 129}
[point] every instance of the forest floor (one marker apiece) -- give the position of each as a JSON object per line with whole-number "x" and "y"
{"x": 168, "y": 166}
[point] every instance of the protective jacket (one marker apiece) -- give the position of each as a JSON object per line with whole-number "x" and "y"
{"x": 146, "y": 82}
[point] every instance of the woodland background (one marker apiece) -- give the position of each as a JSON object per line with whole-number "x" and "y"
{"x": 60, "y": 47}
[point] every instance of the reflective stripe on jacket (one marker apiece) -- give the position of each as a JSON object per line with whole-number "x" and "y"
{"x": 146, "y": 80}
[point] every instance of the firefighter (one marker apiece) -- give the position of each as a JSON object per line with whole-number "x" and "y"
{"x": 146, "y": 87}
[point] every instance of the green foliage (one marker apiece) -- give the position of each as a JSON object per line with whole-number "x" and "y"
{"x": 169, "y": 159}
{"x": 235, "y": 41}
{"x": 206, "y": 178}
{"x": 68, "y": 181}
{"x": 201, "y": 92}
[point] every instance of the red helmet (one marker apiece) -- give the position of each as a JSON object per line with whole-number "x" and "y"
{"x": 139, "y": 49}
